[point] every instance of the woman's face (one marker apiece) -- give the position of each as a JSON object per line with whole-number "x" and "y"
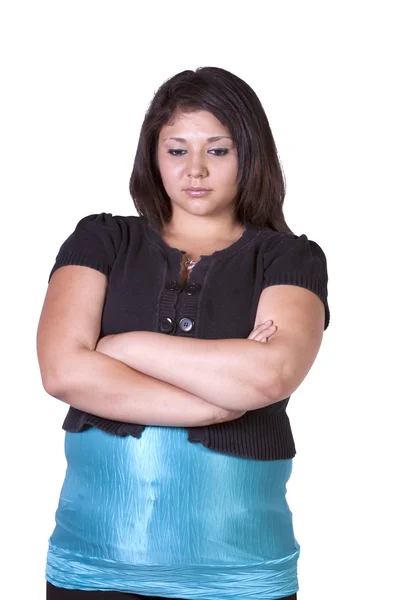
{"x": 198, "y": 164}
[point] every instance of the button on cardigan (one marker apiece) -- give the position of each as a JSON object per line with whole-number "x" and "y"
{"x": 220, "y": 301}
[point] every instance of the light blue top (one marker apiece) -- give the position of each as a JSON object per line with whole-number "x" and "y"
{"x": 160, "y": 516}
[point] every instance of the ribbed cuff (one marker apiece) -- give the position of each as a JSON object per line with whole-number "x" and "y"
{"x": 73, "y": 258}
{"x": 302, "y": 280}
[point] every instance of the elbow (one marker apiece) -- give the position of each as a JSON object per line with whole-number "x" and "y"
{"x": 268, "y": 392}
{"x": 61, "y": 373}
{"x": 269, "y": 396}
{"x": 280, "y": 388}
{"x": 48, "y": 376}
{"x": 50, "y": 386}
{"x": 275, "y": 392}
{"x": 56, "y": 379}
{"x": 277, "y": 381}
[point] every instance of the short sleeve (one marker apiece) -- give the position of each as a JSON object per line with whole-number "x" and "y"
{"x": 94, "y": 243}
{"x": 296, "y": 260}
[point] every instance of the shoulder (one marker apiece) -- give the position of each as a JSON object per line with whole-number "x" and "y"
{"x": 96, "y": 241}
{"x": 105, "y": 220}
{"x": 290, "y": 249}
{"x": 106, "y": 227}
{"x": 290, "y": 259}
{"x": 270, "y": 238}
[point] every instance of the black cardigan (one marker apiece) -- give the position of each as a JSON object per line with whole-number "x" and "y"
{"x": 219, "y": 301}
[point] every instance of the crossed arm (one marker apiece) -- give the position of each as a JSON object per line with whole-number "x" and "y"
{"x": 234, "y": 374}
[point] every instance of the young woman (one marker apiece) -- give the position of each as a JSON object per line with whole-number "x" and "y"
{"x": 154, "y": 331}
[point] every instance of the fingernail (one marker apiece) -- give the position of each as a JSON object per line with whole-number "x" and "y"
{"x": 268, "y": 322}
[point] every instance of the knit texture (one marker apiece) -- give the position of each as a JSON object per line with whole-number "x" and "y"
{"x": 144, "y": 294}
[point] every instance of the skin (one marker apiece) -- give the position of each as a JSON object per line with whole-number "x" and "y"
{"x": 188, "y": 157}
{"x": 193, "y": 161}
{"x": 277, "y": 370}
{"x": 194, "y": 150}
{"x": 198, "y": 162}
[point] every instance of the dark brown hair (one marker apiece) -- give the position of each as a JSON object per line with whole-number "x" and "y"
{"x": 261, "y": 182}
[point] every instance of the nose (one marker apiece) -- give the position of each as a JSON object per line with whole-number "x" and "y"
{"x": 196, "y": 166}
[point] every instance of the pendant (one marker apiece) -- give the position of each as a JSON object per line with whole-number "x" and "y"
{"x": 189, "y": 264}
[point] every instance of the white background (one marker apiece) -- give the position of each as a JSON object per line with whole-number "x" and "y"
{"x": 76, "y": 79}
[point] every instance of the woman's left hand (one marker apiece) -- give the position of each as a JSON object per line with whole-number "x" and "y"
{"x": 263, "y": 332}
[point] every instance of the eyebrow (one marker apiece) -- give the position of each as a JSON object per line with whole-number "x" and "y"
{"x": 215, "y": 138}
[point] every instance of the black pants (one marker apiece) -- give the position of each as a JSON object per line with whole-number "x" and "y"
{"x": 56, "y": 593}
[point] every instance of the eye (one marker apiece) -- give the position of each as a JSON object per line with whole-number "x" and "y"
{"x": 177, "y": 152}
{"x": 219, "y": 151}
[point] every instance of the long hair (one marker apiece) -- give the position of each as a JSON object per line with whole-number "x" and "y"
{"x": 261, "y": 182}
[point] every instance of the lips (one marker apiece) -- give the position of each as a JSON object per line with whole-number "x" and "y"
{"x": 197, "y": 189}
{"x": 197, "y": 192}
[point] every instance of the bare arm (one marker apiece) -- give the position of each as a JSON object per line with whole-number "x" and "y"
{"x": 103, "y": 386}
{"x": 75, "y": 373}
{"x": 234, "y": 374}
{"x": 225, "y": 372}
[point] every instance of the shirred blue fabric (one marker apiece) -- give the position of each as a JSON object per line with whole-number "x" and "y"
{"x": 156, "y": 515}
{"x": 197, "y": 512}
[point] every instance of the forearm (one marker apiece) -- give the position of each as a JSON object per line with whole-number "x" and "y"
{"x": 98, "y": 384}
{"x": 223, "y": 372}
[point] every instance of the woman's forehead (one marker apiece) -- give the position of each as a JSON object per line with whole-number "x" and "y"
{"x": 194, "y": 122}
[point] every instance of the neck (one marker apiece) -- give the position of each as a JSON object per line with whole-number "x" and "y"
{"x": 202, "y": 231}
